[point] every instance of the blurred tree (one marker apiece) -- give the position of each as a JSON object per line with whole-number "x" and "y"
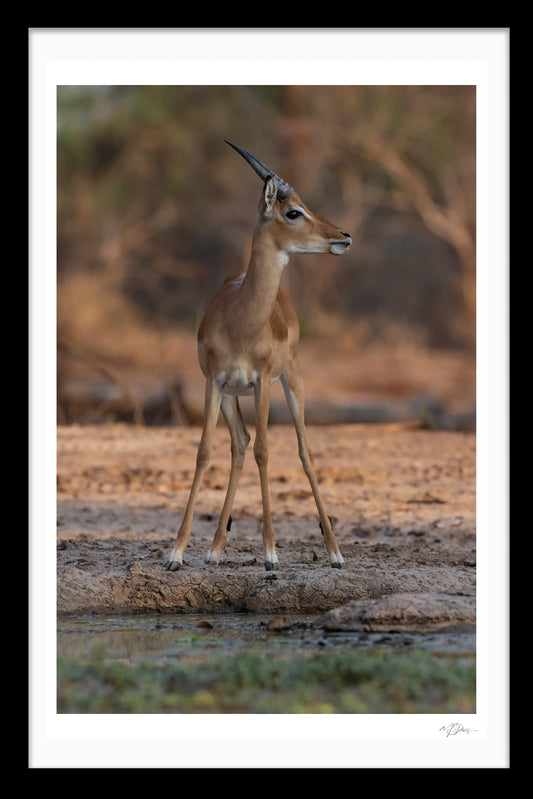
{"x": 156, "y": 211}
{"x": 409, "y": 149}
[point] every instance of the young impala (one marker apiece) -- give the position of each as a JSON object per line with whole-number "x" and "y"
{"x": 246, "y": 341}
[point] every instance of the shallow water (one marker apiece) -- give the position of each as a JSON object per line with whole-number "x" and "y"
{"x": 202, "y": 636}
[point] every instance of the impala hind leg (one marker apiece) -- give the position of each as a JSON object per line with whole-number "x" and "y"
{"x": 262, "y": 404}
{"x": 294, "y": 392}
{"x": 203, "y": 456}
{"x": 239, "y": 441}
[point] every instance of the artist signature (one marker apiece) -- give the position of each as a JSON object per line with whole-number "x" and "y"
{"x": 454, "y": 728}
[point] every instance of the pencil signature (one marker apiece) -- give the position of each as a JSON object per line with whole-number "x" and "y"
{"x": 454, "y": 728}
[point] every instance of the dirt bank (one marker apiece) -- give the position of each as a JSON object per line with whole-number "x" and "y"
{"x": 402, "y": 501}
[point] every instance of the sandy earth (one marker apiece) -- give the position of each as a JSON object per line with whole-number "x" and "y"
{"x": 402, "y": 501}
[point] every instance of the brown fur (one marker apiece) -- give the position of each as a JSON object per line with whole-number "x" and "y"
{"x": 247, "y": 340}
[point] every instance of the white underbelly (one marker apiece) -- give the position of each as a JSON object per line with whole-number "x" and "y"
{"x": 239, "y": 382}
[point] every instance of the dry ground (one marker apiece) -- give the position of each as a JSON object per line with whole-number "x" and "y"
{"x": 402, "y": 501}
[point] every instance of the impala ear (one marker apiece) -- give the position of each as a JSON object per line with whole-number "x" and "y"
{"x": 268, "y": 199}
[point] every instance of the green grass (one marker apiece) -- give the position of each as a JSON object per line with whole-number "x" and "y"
{"x": 342, "y": 682}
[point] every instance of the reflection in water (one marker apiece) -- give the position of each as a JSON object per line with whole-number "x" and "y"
{"x": 199, "y": 637}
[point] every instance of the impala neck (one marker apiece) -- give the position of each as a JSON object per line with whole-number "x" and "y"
{"x": 260, "y": 286}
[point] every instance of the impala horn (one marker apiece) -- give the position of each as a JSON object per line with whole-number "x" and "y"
{"x": 263, "y": 171}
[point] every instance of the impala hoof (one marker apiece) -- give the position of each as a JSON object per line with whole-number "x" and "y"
{"x": 337, "y": 561}
{"x": 211, "y": 559}
{"x": 174, "y": 560}
{"x": 271, "y": 566}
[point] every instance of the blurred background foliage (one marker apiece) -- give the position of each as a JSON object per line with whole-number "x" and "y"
{"x": 155, "y": 210}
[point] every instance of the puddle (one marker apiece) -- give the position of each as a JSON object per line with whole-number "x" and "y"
{"x": 201, "y": 636}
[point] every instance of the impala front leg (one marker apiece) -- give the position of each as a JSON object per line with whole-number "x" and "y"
{"x": 211, "y": 411}
{"x": 262, "y": 404}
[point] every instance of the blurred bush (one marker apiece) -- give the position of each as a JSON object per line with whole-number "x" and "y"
{"x": 154, "y": 210}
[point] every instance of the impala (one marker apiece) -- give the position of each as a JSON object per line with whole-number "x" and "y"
{"x": 246, "y": 341}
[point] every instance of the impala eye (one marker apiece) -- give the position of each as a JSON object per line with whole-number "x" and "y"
{"x": 294, "y": 214}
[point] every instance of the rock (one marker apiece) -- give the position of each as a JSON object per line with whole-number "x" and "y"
{"x": 112, "y": 581}
{"x": 278, "y": 623}
{"x": 403, "y": 613}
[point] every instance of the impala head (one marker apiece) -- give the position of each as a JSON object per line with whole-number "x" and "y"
{"x": 293, "y": 226}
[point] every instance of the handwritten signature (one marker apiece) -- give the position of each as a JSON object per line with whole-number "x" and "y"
{"x": 454, "y": 728}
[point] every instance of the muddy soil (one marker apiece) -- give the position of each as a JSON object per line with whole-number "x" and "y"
{"x": 402, "y": 501}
